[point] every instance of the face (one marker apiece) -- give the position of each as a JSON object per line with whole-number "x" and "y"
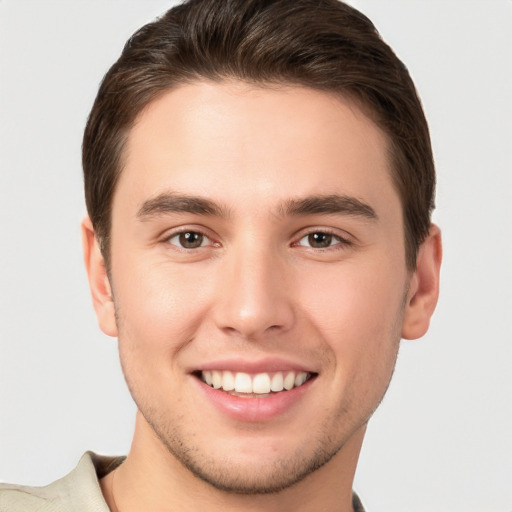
{"x": 259, "y": 278}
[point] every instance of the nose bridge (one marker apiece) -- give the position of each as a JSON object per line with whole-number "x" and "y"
{"x": 253, "y": 297}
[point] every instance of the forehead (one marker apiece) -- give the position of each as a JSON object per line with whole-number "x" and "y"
{"x": 237, "y": 141}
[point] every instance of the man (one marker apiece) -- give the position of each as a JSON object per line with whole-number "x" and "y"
{"x": 259, "y": 183}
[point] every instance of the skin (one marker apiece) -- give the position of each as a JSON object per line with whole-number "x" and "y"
{"x": 255, "y": 289}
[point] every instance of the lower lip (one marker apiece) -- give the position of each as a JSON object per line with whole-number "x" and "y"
{"x": 254, "y": 409}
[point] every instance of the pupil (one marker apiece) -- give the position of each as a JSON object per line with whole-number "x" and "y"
{"x": 191, "y": 240}
{"x": 320, "y": 240}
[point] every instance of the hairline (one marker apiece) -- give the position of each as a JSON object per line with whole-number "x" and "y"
{"x": 348, "y": 94}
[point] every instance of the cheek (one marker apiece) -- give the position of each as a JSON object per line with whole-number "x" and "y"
{"x": 358, "y": 313}
{"x": 158, "y": 313}
{"x": 158, "y": 307}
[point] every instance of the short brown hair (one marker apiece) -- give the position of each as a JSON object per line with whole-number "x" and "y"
{"x": 322, "y": 44}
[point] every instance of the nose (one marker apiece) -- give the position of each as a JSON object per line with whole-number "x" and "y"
{"x": 254, "y": 298}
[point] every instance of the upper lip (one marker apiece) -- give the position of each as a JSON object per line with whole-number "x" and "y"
{"x": 250, "y": 366}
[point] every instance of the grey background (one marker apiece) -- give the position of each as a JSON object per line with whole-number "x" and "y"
{"x": 442, "y": 439}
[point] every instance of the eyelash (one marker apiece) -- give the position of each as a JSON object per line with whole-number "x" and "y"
{"x": 186, "y": 232}
{"x": 340, "y": 244}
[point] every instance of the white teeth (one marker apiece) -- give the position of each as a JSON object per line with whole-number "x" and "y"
{"x": 228, "y": 381}
{"x": 261, "y": 383}
{"x": 277, "y": 383}
{"x": 300, "y": 379}
{"x": 289, "y": 381}
{"x": 243, "y": 383}
{"x": 207, "y": 376}
{"x": 216, "y": 379}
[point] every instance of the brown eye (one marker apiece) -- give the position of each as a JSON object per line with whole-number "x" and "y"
{"x": 188, "y": 240}
{"x": 320, "y": 240}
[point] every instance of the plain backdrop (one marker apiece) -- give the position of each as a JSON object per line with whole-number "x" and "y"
{"x": 442, "y": 439}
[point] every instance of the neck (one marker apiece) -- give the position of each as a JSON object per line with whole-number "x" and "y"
{"x": 152, "y": 479}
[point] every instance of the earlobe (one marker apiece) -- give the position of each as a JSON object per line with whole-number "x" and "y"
{"x": 424, "y": 287}
{"x": 99, "y": 283}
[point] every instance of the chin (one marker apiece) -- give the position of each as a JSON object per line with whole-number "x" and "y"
{"x": 253, "y": 477}
{"x": 246, "y": 467}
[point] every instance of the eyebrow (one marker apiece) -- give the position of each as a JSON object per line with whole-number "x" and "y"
{"x": 312, "y": 205}
{"x": 328, "y": 204}
{"x": 176, "y": 203}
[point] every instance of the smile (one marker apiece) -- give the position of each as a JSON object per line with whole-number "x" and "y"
{"x": 260, "y": 384}
{"x": 255, "y": 391}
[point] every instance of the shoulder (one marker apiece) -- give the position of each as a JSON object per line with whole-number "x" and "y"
{"x": 20, "y": 498}
{"x": 79, "y": 490}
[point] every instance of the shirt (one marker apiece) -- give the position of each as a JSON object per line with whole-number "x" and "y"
{"x": 79, "y": 491}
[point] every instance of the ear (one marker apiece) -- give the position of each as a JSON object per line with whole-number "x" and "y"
{"x": 99, "y": 283}
{"x": 424, "y": 287}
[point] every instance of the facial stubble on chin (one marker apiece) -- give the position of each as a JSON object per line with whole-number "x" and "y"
{"x": 283, "y": 473}
{"x": 225, "y": 475}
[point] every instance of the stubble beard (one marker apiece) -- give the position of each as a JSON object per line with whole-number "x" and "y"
{"x": 236, "y": 478}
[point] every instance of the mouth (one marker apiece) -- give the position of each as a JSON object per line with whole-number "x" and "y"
{"x": 259, "y": 385}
